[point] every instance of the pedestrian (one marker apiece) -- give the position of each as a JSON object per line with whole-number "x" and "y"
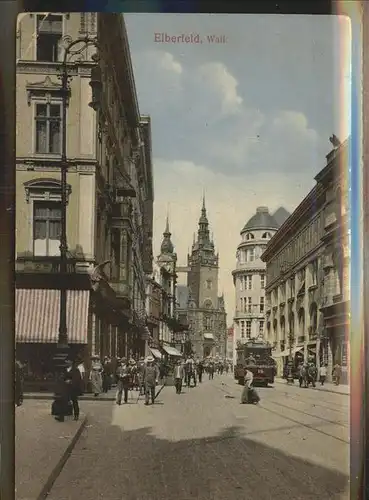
{"x": 191, "y": 371}
{"x": 96, "y": 375}
{"x": 211, "y": 370}
{"x": 62, "y": 406}
{"x": 337, "y": 373}
{"x": 106, "y": 374}
{"x": 19, "y": 382}
{"x": 322, "y": 374}
{"x": 200, "y": 370}
{"x": 82, "y": 370}
{"x": 133, "y": 369}
{"x": 301, "y": 372}
{"x": 178, "y": 376}
{"x": 124, "y": 381}
{"x": 140, "y": 371}
{"x": 150, "y": 379}
{"x": 73, "y": 380}
{"x": 249, "y": 395}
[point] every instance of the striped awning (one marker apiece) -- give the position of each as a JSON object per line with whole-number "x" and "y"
{"x": 156, "y": 353}
{"x": 172, "y": 351}
{"x": 37, "y": 316}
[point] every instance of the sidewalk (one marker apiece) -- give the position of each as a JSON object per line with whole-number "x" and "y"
{"x": 327, "y": 387}
{"x": 42, "y": 446}
{"x": 109, "y": 396}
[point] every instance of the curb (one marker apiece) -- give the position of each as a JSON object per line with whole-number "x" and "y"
{"x": 50, "y": 397}
{"x": 59, "y": 466}
{"x": 316, "y": 388}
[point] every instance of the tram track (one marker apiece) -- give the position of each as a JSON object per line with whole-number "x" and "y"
{"x": 314, "y": 399}
{"x": 316, "y": 403}
{"x": 334, "y": 422}
{"x": 291, "y": 419}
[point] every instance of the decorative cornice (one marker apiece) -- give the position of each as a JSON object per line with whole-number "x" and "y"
{"x": 296, "y": 221}
{"x": 249, "y": 271}
{"x": 44, "y": 68}
{"x": 53, "y": 164}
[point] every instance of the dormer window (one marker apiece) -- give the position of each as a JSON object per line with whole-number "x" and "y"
{"x": 266, "y": 236}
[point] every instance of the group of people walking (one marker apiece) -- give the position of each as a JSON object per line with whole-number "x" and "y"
{"x": 190, "y": 371}
{"x": 125, "y": 375}
{"x": 308, "y": 373}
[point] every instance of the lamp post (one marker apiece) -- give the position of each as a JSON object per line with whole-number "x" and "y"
{"x": 62, "y": 346}
{"x": 290, "y": 379}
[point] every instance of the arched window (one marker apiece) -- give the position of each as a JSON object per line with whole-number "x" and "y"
{"x": 266, "y": 236}
{"x": 249, "y": 236}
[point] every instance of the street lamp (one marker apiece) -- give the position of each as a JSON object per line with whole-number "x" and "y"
{"x": 62, "y": 346}
{"x": 290, "y": 379}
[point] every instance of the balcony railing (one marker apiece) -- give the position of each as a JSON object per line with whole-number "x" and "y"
{"x": 46, "y": 265}
{"x": 121, "y": 289}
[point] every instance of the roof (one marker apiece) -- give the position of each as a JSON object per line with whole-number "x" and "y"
{"x": 281, "y": 215}
{"x": 261, "y": 220}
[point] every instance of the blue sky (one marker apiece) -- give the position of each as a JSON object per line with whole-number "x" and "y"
{"x": 248, "y": 120}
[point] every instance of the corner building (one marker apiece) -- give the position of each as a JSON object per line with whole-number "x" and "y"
{"x": 110, "y": 192}
{"x": 249, "y": 277}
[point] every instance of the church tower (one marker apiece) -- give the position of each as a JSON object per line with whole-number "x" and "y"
{"x": 167, "y": 261}
{"x": 203, "y": 267}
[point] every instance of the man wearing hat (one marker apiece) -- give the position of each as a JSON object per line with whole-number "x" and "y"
{"x": 150, "y": 379}
{"x": 140, "y": 371}
{"x": 133, "y": 374}
{"x": 178, "y": 376}
{"x": 124, "y": 380}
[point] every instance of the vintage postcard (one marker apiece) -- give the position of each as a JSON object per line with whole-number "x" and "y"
{"x": 182, "y": 256}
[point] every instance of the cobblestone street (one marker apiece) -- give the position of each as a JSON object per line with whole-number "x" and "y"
{"x": 204, "y": 444}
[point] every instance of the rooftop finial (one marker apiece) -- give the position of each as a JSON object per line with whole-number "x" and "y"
{"x": 167, "y": 225}
{"x": 203, "y": 200}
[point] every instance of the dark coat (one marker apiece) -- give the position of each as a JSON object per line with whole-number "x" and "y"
{"x": 73, "y": 380}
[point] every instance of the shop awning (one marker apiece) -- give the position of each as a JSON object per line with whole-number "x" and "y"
{"x": 297, "y": 349}
{"x": 172, "y": 351}
{"x": 208, "y": 336}
{"x": 37, "y": 316}
{"x": 278, "y": 354}
{"x": 156, "y": 353}
{"x": 286, "y": 352}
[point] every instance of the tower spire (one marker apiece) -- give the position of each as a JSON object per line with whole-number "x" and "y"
{"x": 167, "y": 227}
{"x": 167, "y": 247}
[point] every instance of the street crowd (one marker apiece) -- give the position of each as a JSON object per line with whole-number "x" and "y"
{"x": 124, "y": 375}
{"x": 308, "y": 373}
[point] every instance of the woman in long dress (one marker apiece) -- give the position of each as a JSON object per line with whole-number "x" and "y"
{"x": 96, "y": 376}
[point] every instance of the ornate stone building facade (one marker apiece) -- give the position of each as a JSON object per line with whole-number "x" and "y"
{"x": 199, "y": 301}
{"x": 307, "y": 274}
{"x": 249, "y": 277}
{"x": 110, "y": 190}
{"x": 334, "y": 341}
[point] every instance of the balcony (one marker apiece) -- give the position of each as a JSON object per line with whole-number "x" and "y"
{"x": 175, "y": 324}
{"x": 337, "y": 298}
{"x": 121, "y": 289}
{"x": 48, "y": 265}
